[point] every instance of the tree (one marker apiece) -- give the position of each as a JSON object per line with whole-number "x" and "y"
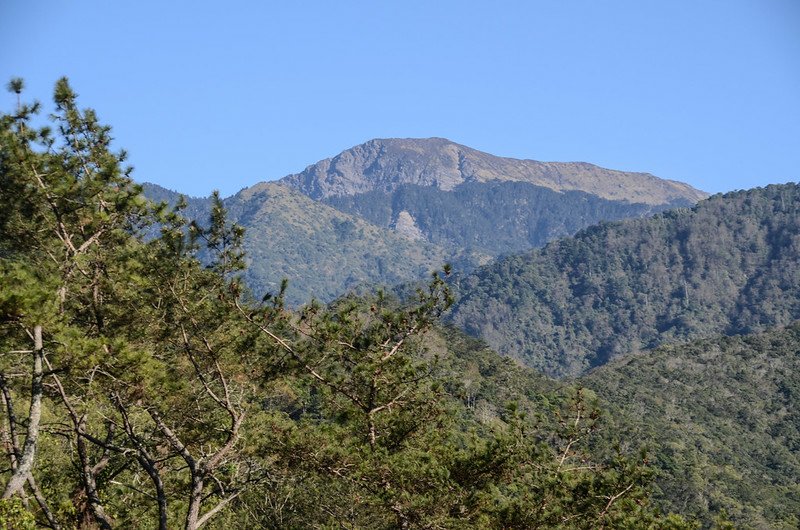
{"x": 72, "y": 210}
{"x": 78, "y": 274}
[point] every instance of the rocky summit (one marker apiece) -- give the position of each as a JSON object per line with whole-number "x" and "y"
{"x": 386, "y": 164}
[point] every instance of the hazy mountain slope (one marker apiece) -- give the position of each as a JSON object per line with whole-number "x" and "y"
{"x": 722, "y": 420}
{"x": 385, "y": 164}
{"x": 495, "y": 217}
{"x": 729, "y": 265}
{"x": 322, "y": 251}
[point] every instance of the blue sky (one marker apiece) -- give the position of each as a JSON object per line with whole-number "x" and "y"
{"x": 221, "y": 95}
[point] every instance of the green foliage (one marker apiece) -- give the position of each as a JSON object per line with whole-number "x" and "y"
{"x": 14, "y": 516}
{"x": 450, "y": 464}
{"x": 722, "y": 422}
{"x": 729, "y": 265}
{"x": 518, "y": 480}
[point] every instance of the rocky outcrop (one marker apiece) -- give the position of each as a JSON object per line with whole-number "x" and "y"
{"x": 405, "y": 225}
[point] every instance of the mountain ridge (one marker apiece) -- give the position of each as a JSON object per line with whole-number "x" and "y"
{"x": 726, "y": 266}
{"x": 385, "y": 163}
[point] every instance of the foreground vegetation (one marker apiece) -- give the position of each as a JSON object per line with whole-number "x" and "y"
{"x": 141, "y": 388}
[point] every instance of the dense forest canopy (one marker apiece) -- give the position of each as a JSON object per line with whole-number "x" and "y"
{"x": 729, "y": 265}
{"x": 143, "y": 388}
{"x": 722, "y": 421}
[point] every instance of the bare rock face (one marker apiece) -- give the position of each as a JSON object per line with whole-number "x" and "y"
{"x": 386, "y": 164}
{"x": 382, "y": 165}
{"x": 406, "y": 226}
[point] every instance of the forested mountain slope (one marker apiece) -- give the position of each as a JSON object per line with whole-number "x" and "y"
{"x": 321, "y": 251}
{"x": 729, "y": 265}
{"x": 495, "y": 217}
{"x": 721, "y": 418}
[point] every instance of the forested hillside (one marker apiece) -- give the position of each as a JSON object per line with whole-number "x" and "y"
{"x": 721, "y": 418}
{"x": 492, "y": 217}
{"x": 322, "y": 251}
{"x": 729, "y": 265}
{"x": 141, "y": 387}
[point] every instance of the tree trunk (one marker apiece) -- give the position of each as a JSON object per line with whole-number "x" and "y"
{"x": 96, "y": 510}
{"x": 25, "y": 463}
{"x": 196, "y": 498}
{"x": 161, "y": 496}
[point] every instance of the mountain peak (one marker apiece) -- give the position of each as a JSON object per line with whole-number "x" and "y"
{"x": 384, "y": 164}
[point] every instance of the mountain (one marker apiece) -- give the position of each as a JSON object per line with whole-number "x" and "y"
{"x": 730, "y": 265}
{"x": 460, "y": 198}
{"x": 386, "y": 164}
{"x": 368, "y": 412}
{"x": 389, "y": 211}
{"x": 721, "y": 420}
{"x": 322, "y": 251}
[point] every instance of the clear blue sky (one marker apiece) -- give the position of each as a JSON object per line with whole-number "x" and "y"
{"x": 221, "y": 95}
